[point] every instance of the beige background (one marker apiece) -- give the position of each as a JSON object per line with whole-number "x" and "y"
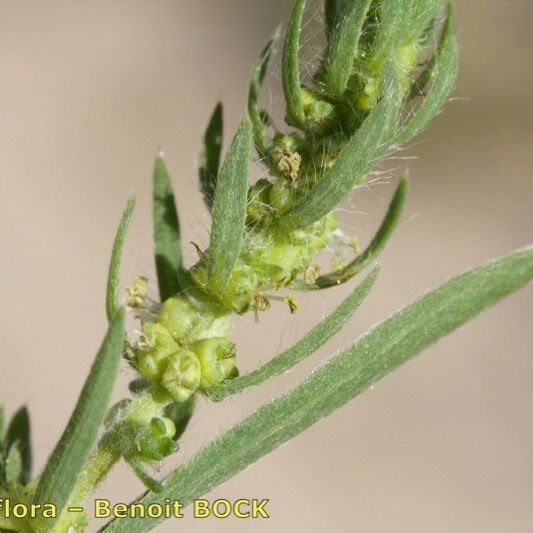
{"x": 88, "y": 92}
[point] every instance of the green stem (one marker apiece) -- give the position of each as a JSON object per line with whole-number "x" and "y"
{"x": 98, "y": 465}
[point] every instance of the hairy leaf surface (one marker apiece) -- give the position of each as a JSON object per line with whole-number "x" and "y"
{"x": 343, "y": 377}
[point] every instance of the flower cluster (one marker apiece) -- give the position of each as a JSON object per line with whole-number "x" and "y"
{"x": 383, "y": 77}
{"x": 387, "y": 69}
{"x": 389, "y": 46}
{"x": 186, "y": 348}
{"x": 271, "y": 258}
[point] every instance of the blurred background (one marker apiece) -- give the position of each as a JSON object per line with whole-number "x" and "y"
{"x": 90, "y": 90}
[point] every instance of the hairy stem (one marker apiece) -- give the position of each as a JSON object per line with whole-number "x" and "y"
{"x": 98, "y": 465}
{"x": 105, "y": 457}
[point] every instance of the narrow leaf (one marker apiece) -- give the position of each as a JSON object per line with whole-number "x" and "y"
{"x": 69, "y": 455}
{"x": 210, "y": 156}
{"x": 19, "y": 434}
{"x": 424, "y": 13}
{"x": 229, "y": 208}
{"x": 339, "y": 380}
{"x": 376, "y": 246}
{"x": 167, "y": 241}
{"x": 332, "y": 11}
{"x": 343, "y": 46}
{"x": 256, "y": 81}
{"x": 442, "y": 75}
{"x": 305, "y": 347}
{"x": 290, "y": 67}
{"x": 392, "y": 27}
{"x": 114, "y": 266}
{"x": 13, "y": 466}
{"x": 354, "y": 162}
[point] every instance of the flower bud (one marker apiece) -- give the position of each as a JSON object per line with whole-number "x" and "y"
{"x": 155, "y": 448}
{"x": 150, "y": 442}
{"x": 179, "y": 317}
{"x": 213, "y": 323}
{"x": 321, "y": 115}
{"x": 182, "y": 375}
{"x": 158, "y": 345}
{"x": 369, "y": 95}
{"x": 163, "y": 426}
{"x": 147, "y": 366}
{"x": 217, "y": 359}
{"x": 241, "y": 285}
{"x": 282, "y": 196}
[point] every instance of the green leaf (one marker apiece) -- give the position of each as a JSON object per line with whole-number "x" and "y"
{"x": 229, "y": 208}
{"x": 306, "y": 346}
{"x": 332, "y": 11}
{"x": 343, "y": 46}
{"x": 180, "y": 414}
{"x": 290, "y": 67}
{"x": 114, "y": 265}
{"x": 13, "y": 466}
{"x": 256, "y": 81}
{"x": 340, "y": 379}
{"x": 392, "y": 28}
{"x": 19, "y": 435}
{"x": 210, "y": 155}
{"x": 424, "y": 14}
{"x": 442, "y": 73}
{"x": 356, "y": 159}
{"x": 167, "y": 241}
{"x": 69, "y": 455}
{"x": 376, "y": 246}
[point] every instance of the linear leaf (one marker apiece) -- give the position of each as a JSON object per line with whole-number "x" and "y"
{"x": 442, "y": 75}
{"x": 354, "y": 162}
{"x": 229, "y": 208}
{"x": 424, "y": 76}
{"x": 290, "y": 67}
{"x": 340, "y": 379}
{"x": 256, "y": 81}
{"x": 343, "y": 46}
{"x": 424, "y": 13}
{"x": 376, "y": 246}
{"x": 210, "y": 155}
{"x": 19, "y": 434}
{"x": 167, "y": 240}
{"x": 392, "y": 27}
{"x": 332, "y": 10}
{"x": 114, "y": 265}
{"x": 70, "y": 453}
{"x": 306, "y": 346}
{"x": 13, "y": 466}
